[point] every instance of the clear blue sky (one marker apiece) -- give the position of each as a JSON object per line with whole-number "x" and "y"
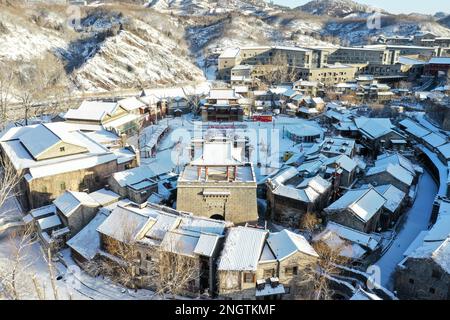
{"x": 394, "y": 6}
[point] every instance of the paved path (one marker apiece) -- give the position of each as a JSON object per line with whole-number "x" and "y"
{"x": 417, "y": 220}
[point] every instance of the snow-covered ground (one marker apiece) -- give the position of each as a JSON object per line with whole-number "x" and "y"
{"x": 32, "y": 264}
{"x": 417, "y": 220}
{"x": 267, "y": 139}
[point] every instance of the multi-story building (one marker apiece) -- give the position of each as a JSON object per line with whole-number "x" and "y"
{"x": 369, "y": 55}
{"x": 424, "y": 272}
{"x": 330, "y": 74}
{"x": 122, "y": 117}
{"x": 55, "y": 157}
{"x": 222, "y": 105}
{"x": 165, "y": 243}
{"x": 295, "y": 57}
{"x": 218, "y": 185}
{"x": 437, "y": 66}
{"x": 258, "y": 264}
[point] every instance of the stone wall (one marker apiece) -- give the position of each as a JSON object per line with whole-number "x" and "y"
{"x": 346, "y": 218}
{"x": 238, "y": 207}
{"x": 419, "y": 278}
{"x": 42, "y": 191}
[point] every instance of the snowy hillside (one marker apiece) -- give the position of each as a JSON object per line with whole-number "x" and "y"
{"x": 355, "y": 31}
{"x": 202, "y": 7}
{"x": 336, "y": 8}
{"x": 111, "y": 49}
{"x": 168, "y": 41}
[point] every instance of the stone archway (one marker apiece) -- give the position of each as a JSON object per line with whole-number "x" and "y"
{"x": 217, "y": 217}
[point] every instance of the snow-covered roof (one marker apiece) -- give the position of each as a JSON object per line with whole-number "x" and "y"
{"x": 133, "y": 176}
{"x": 104, "y": 137}
{"x": 434, "y": 139}
{"x": 442, "y": 255}
{"x": 307, "y": 191}
{"x": 117, "y": 123}
{"x": 445, "y": 150}
{"x": 364, "y": 203}
{"x": 307, "y": 129}
{"x": 308, "y": 110}
{"x": 338, "y": 145}
{"x": 285, "y": 243}
{"x": 91, "y": 110}
{"x": 49, "y": 222}
{"x": 312, "y": 166}
{"x": 124, "y": 154}
{"x": 269, "y": 290}
{"x": 374, "y": 127}
{"x": 306, "y": 83}
{"x": 242, "y": 249}
{"x": 414, "y": 128}
{"x": 38, "y": 140}
{"x": 216, "y": 153}
{"x": 344, "y": 162}
{"x": 131, "y": 104}
{"x": 69, "y": 201}
{"x": 315, "y": 185}
{"x": 123, "y": 224}
{"x": 361, "y": 294}
{"x": 411, "y": 61}
{"x": 43, "y": 211}
{"x": 163, "y": 223}
{"x": 21, "y": 158}
{"x": 439, "y": 60}
{"x": 222, "y": 94}
{"x": 230, "y": 53}
{"x": 206, "y": 244}
{"x": 104, "y": 196}
{"x": 396, "y": 159}
{"x": 180, "y": 242}
{"x": 87, "y": 241}
{"x": 395, "y": 170}
{"x": 393, "y": 196}
{"x": 364, "y": 239}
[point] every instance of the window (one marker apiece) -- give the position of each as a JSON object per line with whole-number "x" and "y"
{"x": 436, "y": 274}
{"x": 290, "y": 271}
{"x": 287, "y": 290}
{"x": 44, "y": 189}
{"x": 249, "y": 277}
{"x": 63, "y": 186}
{"x": 269, "y": 273}
{"x": 432, "y": 290}
{"x": 62, "y": 149}
{"x": 411, "y": 281}
{"x": 143, "y": 272}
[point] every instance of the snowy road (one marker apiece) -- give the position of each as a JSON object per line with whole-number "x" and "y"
{"x": 417, "y": 220}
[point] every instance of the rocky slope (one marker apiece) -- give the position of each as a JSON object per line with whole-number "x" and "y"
{"x": 337, "y": 8}
{"x": 164, "y": 42}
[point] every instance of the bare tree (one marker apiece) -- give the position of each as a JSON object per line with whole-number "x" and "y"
{"x": 15, "y": 276}
{"x": 125, "y": 253}
{"x": 328, "y": 259}
{"x": 42, "y": 83}
{"x": 6, "y": 93}
{"x": 193, "y": 100}
{"x": 177, "y": 273}
{"x": 9, "y": 181}
{"x": 309, "y": 222}
{"x": 166, "y": 272}
{"x": 279, "y": 70}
